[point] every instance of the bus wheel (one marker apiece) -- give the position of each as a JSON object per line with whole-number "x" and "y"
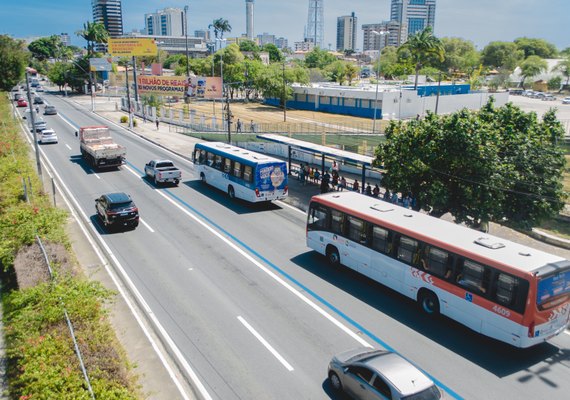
{"x": 231, "y": 192}
{"x": 333, "y": 256}
{"x": 202, "y": 177}
{"x": 428, "y": 302}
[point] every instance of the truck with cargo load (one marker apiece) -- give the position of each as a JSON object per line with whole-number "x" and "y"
{"x": 99, "y": 149}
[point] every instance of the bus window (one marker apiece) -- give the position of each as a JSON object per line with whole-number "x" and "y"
{"x": 227, "y": 165}
{"x": 210, "y": 157}
{"x": 337, "y": 222}
{"x": 356, "y": 231}
{"x": 381, "y": 239}
{"x": 506, "y": 290}
{"x": 247, "y": 174}
{"x": 317, "y": 218}
{"x": 437, "y": 262}
{"x": 237, "y": 170}
{"x": 407, "y": 250}
{"x": 473, "y": 276}
{"x": 218, "y": 162}
{"x": 197, "y": 156}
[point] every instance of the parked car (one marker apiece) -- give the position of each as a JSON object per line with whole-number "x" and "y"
{"x": 117, "y": 209}
{"x": 38, "y": 100}
{"x": 48, "y": 136}
{"x": 548, "y": 97}
{"x": 50, "y": 110}
{"x": 566, "y": 100}
{"x": 22, "y": 103}
{"x": 366, "y": 373}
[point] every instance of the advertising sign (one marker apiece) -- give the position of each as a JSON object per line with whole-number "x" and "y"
{"x": 162, "y": 85}
{"x": 128, "y": 47}
{"x": 205, "y": 87}
{"x": 101, "y": 64}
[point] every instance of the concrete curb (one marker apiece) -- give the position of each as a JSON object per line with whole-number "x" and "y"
{"x": 550, "y": 239}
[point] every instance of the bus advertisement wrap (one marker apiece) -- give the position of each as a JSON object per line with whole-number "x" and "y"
{"x": 271, "y": 177}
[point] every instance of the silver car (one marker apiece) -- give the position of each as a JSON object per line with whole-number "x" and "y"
{"x": 368, "y": 374}
{"x": 48, "y": 136}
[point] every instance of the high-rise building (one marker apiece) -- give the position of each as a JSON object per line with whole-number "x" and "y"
{"x": 167, "y": 22}
{"x": 346, "y": 27}
{"x": 316, "y": 23}
{"x": 377, "y": 36}
{"x": 65, "y": 39}
{"x": 202, "y": 33}
{"x": 281, "y": 43}
{"x": 413, "y": 16}
{"x": 110, "y": 14}
{"x": 249, "y": 18}
{"x": 265, "y": 38}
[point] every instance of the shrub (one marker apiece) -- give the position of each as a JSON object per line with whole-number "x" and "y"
{"x": 124, "y": 119}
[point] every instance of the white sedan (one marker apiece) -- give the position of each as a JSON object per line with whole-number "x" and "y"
{"x": 48, "y": 136}
{"x": 566, "y": 100}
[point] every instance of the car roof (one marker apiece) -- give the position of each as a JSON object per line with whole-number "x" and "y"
{"x": 48, "y": 131}
{"x": 117, "y": 197}
{"x": 403, "y": 375}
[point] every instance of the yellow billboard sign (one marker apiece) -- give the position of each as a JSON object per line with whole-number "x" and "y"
{"x": 128, "y": 47}
{"x": 162, "y": 85}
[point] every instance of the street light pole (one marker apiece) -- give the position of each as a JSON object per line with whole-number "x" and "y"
{"x": 377, "y": 82}
{"x": 186, "y": 36}
{"x": 284, "y": 96}
{"x": 33, "y": 120}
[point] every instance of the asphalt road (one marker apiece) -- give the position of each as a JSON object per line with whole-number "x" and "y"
{"x": 257, "y": 315}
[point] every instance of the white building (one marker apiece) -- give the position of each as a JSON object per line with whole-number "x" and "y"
{"x": 346, "y": 27}
{"x": 167, "y": 22}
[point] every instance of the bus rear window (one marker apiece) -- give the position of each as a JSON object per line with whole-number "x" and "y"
{"x": 553, "y": 290}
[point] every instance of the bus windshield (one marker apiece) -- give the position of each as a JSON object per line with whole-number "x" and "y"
{"x": 553, "y": 289}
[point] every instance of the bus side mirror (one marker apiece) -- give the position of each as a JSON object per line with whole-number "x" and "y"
{"x": 76, "y": 133}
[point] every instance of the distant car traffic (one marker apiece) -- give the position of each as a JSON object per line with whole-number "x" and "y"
{"x": 566, "y": 100}
{"x": 50, "y": 110}
{"x": 39, "y": 89}
{"x": 38, "y": 100}
{"x": 548, "y": 97}
{"x": 22, "y": 103}
{"x": 48, "y": 136}
{"x": 40, "y": 125}
{"x": 117, "y": 209}
{"x": 378, "y": 374}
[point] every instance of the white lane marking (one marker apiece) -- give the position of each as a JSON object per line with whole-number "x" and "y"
{"x": 567, "y": 332}
{"x": 266, "y": 344}
{"x": 147, "y": 225}
{"x": 169, "y": 342}
{"x": 96, "y": 176}
{"x": 68, "y": 146}
{"x": 282, "y": 203}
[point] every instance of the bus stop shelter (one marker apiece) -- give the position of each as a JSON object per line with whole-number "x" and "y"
{"x": 325, "y": 152}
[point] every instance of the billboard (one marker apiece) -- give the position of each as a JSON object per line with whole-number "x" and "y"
{"x": 128, "y": 47}
{"x": 101, "y": 64}
{"x": 195, "y": 86}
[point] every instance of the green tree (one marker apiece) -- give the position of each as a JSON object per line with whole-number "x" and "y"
{"x": 13, "y": 61}
{"x": 460, "y": 56}
{"x": 336, "y": 71}
{"x": 221, "y": 26}
{"x": 45, "y": 48}
{"x": 393, "y": 64}
{"x": 318, "y": 58}
{"x": 536, "y": 47}
{"x": 421, "y": 47}
{"x": 60, "y": 72}
{"x": 532, "y": 66}
{"x": 502, "y": 55}
{"x": 564, "y": 67}
{"x": 488, "y": 166}
{"x": 93, "y": 32}
{"x": 351, "y": 72}
{"x": 275, "y": 54}
{"x": 271, "y": 81}
{"x": 248, "y": 45}
{"x": 555, "y": 83}
{"x": 174, "y": 59}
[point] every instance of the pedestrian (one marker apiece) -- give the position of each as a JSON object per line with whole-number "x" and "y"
{"x": 156, "y": 121}
{"x": 37, "y": 109}
{"x": 368, "y": 190}
{"x": 252, "y": 126}
{"x": 376, "y": 191}
{"x": 317, "y": 175}
{"x": 334, "y": 167}
{"x": 342, "y": 184}
{"x": 334, "y": 180}
{"x": 311, "y": 174}
{"x": 238, "y": 126}
{"x": 386, "y": 195}
{"x": 395, "y": 198}
{"x": 406, "y": 202}
{"x": 355, "y": 186}
{"x": 302, "y": 174}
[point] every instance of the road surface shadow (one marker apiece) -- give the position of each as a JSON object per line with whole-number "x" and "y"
{"x": 496, "y": 357}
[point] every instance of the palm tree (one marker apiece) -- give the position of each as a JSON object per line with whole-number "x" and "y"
{"x": 422, "y": 46}
{"x": 220, "y": 26}
{"x": 93, "y": 32}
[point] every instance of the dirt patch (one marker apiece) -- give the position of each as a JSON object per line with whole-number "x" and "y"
{"x": 30, "y": 265}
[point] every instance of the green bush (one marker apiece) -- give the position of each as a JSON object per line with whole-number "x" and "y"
{"x": 124, "y": 119}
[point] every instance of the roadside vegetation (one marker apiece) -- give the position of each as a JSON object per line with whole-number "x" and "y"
{"x": 41, "y": 359}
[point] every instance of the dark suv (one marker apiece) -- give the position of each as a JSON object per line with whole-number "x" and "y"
{"x": 117, "y": 209}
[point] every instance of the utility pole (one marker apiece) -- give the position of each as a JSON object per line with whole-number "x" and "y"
{"x": 34, "y": 133}
{"x": 128, "y": 95}
{"x": 229, "y": 116}
{"x": 284, "y": 96}
{"x": 186, "y": 36}
{"x": 437, "y": 98}
{"x": 135, "y": 78}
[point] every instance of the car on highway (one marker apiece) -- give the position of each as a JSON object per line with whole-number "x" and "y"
{"x": 366, "y": 373}
{"x": 22, "y": 103}
{"x": 38, "y": 100}
{"x": 48, "y": 136}
{"x": 39, "y": 124}
{"x": 50, "y": 110}
{"x": 18, "y": 96}
{"x": 548, "y": 97}
{"x": 39, "y": 89}
{"x": 566, "y": 100}
{"x": 117, "y": 210}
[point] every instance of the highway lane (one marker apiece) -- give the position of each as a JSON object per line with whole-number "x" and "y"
{"x": 277, "y": 234}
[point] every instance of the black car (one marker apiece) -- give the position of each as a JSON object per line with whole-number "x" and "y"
{"x": 38, "y": 100}
{"x": 117, "y": 209}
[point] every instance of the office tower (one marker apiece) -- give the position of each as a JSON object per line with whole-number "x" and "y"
{"x": 346, "y": 27}
{"x": 281, "y": 43}
{"x": 265, "y": 38}
{"x": 110, "y": 14}
{"x": 374, "y": 41}
{"x": 167, "y": 22}
{"x": 249, "y": 18}
{"x": 316, "y": 23}
{"x": 65, "y": 39}
{"x": 202, "y": 33}
{"x": 413, "y": 16}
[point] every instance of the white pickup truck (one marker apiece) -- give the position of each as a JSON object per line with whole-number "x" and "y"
{"x": 162, "y": 171}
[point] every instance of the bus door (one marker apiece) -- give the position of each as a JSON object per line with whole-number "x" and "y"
{"x": 384, "y": 268}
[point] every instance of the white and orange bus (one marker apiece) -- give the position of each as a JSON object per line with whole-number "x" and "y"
{"x": 501, "y": 289}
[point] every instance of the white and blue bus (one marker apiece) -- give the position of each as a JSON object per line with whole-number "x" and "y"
{"x": 241, "y": 173}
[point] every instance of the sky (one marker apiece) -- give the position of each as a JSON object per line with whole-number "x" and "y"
{"x": 480, "y": 21}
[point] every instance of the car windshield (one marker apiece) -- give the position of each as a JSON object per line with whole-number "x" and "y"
{"x": 431, "y": 393}
{"x": 125, "y": 204}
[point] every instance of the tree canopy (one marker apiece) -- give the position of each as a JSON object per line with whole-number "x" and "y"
{"x": 495, "y": 165}
{"x": 502, "y": 55}
{"x": 421, "y": 47}
{"x": 536, "y": 47}
{"x": 532, "y": 66}
{"x": 318, "y": 58}
{"x": 13, "y": 61}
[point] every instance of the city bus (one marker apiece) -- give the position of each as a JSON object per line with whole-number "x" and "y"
{"x": 496, "y": 287}
{"x": 241, "y": 173}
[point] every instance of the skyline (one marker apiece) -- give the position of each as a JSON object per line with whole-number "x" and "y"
{"x": 480, "y": 22}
